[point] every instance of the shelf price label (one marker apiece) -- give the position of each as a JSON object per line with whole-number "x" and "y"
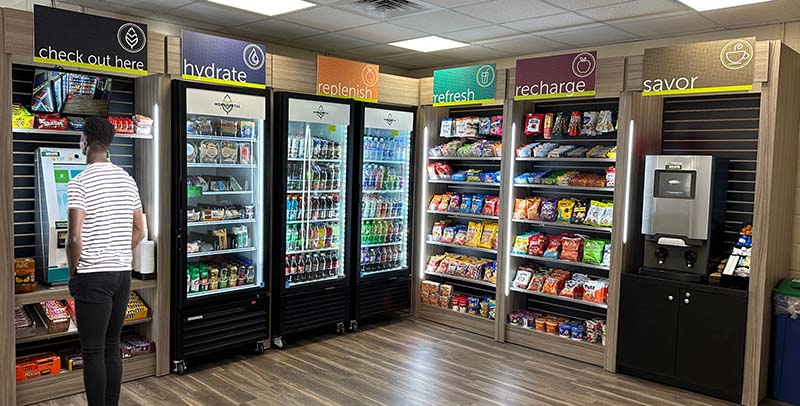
{"x": 332, "y": 128}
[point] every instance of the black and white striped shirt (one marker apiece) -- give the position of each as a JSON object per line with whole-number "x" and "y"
{"x": 108, "y": 196}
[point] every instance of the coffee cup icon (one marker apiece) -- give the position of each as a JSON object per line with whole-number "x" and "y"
{"x": 736, "y": 54}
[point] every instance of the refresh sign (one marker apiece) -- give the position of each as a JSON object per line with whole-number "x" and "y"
{"x": 225, "y": 61}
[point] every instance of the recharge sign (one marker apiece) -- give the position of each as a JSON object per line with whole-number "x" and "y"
{"x": 706, "y": 67}
{"x": 80, "y": 40}
{"x": 559, "y": 76}
{"x": 225, "y": 61}
{"x": 466, "y": 85}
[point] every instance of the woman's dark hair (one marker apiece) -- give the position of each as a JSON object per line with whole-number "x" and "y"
{"x": 98, "y": 131}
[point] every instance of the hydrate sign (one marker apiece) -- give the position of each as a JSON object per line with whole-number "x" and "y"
{"x": 558, "y": 76}
{"x": 224, "y": 61}
{"x": 466, "y": 85}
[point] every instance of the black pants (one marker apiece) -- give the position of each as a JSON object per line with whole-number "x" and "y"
{"x": 101, "y": 300}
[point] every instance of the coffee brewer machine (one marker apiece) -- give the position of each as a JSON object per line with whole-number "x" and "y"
{"x": 682, "y": 215}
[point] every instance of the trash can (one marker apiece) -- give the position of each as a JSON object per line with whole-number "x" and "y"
{"x": 786, "y": 342}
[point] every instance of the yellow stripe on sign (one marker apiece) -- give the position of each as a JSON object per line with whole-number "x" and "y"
{"x": 461, "y": 103}
{"x": 223, "y": 82}
{"x": 89, "y": 66}
{"x": 555, "y": 95}
{"x": 336, "y": 96}
{"x": 717, "y": 89}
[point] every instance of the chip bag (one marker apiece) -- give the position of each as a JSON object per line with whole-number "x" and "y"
{"x": 434, "y": 204}
{"x": 474, "y": 231}
{"x": 553, "y": 248}
{"x": 565, "y": 210}
{"x": 571, "y": 248}
{"x": 521, "y": 244}
{"x": 520, "y": 209}
{"x": 534, "y": 123}
{"x": 549, "y": 210}
{"x": 477, "y": 204}
{"x": 489, "y": 235}
{"x": 490, "y": 206}
{"x": 533, "y": 208}
{"x": 579, "y": 212}
{"x": 593, "y": 251}
{"x": 537, "y": 244}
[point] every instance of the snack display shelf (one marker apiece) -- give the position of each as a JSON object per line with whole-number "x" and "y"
{"x": 70, "y": 382}
{"x": 220, "y": 138}
{"x": 295, "y": 284}
{"x": 380, "y": 161}
{"x": 464, "y": 321}
{"x": 312, "y": 191}
{"x": 464, "y": 158}
{"x": 467, "y": 183}
{"x": 61, "y": 292}
{"x": 562, "y": 298}
{"x": 215, "y": 291}
{"x": 465, "y": 247}
{"x": 219, "y": 252}
{"x": 382, "y": 271}
{"x": 41, "y": 331}
{"x": 567, "y": 159}
{"x": 312, "y": 250}
{"x": 219, "y": 223}
{"x": 77, "y": 133}
{"x": 382, "y": 218}
{"x": 459, "y": 278}
{"x": 383, "y": 244}
{"x": 225, "y": 193}
{"x": 608, "y": 137}
{"x": 384, "y": 191}
{"x": 561, "y": 262}
{"x": 232, "y": 166}
{"x": 571, "y": 226}
{"x": 463, "y": 215}
{"x": 314, "y": 160}
{"x": 306, "y": 221}
{"x": 579, "y": 350}
{"x": 560, "y": 187}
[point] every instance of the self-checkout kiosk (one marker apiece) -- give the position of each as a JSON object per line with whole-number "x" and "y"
{"x": 682, "y": 215}
{"x": 55, "y": 167}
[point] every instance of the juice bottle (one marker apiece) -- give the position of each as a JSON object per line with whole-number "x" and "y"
{"x": 328, "y": 235}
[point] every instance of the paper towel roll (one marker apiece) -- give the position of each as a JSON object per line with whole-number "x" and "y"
{"x": 144, "y": 257}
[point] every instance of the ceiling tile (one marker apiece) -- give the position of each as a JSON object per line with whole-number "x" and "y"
{"x": 666, "y": 25}
{"x": 756, "y": 14}
{"x": 102, "y": 6}
{"x": 552, "y": 22}
{"x": 383, "y": 32}
{"x": 481, "y": 33}
{"x": 216, "y": 14}
{"x": 594, "y": 34}
{"x": 437, "y": 22}
{"x": 421, "y": 60}
{"x": 581, "y": 4}
{"x": 186, "y": 22}
{"x": 471, "y": 53}
{"x": 274, "y": 28}
{"x": 524, "y": 44}
{"x": 156, "y": 6}
{"x": 330, "y": 42}
{"x": 327, "y": 18}
{"x": 500, "y": 11}
{"x": 377, "y": 51}
{"x": 634, "y": 8}
{"x": 454, "y": 3}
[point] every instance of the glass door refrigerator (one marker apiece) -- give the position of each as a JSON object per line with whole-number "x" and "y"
{"x": 313, "y": 170}
{"x": 381, "y": 281}
{"x": 220, "y": 218}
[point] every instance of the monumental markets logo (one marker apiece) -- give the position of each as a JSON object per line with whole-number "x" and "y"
{"x": 484, "y": 76}
{"x": 736, "y": 54}
{"x": 227, "y": 105}
{"x": 253, "y": 56}
{"x": 131, "y": 38}
{"x": 320, "y": 112}
{"x": 389, "y": 119}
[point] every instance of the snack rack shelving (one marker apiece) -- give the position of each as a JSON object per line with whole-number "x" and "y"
{"x": 518, "y": 298}
{"x": 431, "y": 118}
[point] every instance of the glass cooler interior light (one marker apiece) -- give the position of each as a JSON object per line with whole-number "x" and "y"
{"x": 225, "y": 195}
{"x": 385, "y": 190}
{"x": 315, "y": 201}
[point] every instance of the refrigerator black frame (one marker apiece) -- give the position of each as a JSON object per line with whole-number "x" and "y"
{"x": 279, "y": 170}
{"x": 178, "y": 262}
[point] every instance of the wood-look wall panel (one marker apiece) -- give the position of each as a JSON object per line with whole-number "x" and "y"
{"x": 173, "y": 55}
{"x": 398, "y": 90}
{"x": 426, "y": 91}
{"x": 501, "y": 84}
{"x": 775, "y": 194}
{"x": 634, "y": 72}
{"x": 761, "y": 62}
{"x": 18, "y": 29}
{"x": 156, "y": 48}
{"x": 610, "y": 79}
{"x": 294, "y": 75}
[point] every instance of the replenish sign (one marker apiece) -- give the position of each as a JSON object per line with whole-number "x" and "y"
{"x": 558, "y": 76}
{"x": 225, "y": 61}
{"x": 705, "y": 67}
{"x": 347, "y": 79}
{"x": 466, "y": 85}
{"x": 79, "y": 40}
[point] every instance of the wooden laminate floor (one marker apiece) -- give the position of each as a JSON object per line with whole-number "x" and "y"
{"x": 407, "y": 362}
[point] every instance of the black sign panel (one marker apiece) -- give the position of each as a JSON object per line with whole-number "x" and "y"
{"x": 67, "y": 38}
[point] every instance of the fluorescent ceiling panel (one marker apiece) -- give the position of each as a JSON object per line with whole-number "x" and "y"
{"x": 428, "y": 44}
{"x": 705, "y": 5}
{"x": 266, "y": 7}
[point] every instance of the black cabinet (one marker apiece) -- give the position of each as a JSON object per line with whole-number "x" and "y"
{"x": 683, "y": 334}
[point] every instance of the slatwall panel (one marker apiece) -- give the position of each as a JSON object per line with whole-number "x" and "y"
{"x": 725, "y": 127}
{"x": 122, "y": 152}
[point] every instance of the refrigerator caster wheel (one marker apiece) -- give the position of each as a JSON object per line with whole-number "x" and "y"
{"x": 278, "y": 342}
{"x": 180, "y": 367}
{"x": 340, "y": 328}
{"x": 261, "y": 347}
{"x": 353, "y": 325}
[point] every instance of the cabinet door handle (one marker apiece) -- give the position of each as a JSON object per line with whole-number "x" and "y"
{"x": 686, "y": 301}
{"x": 688, "y": 294}
{"x": 670, "y": 298}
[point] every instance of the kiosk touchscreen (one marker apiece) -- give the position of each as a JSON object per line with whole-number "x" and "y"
{"x": 55, "y": 167}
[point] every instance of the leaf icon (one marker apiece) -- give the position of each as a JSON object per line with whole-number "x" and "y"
{"x": 131, "y": 38}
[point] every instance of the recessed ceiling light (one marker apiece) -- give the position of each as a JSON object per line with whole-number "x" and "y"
{"x": 428, "y": 44}
{"x": 705, "y": 5}
{"x": 266, "y": 7}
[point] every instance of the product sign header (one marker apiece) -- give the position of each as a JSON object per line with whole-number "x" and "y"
{"x": 225, "y": 104}
{"x": 388, "y": 119}
{"x": 347, "y": 79}
{"x": 558, "y": 76}
{"x": 67, "y": 38}
{"x": 312, "y": 111}
{"x": 466, "y": 85}
{"x": 705, "y": 67}
{"x": 224, "y": 61}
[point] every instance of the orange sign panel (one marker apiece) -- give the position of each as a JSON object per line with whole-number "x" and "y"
{"x": 347, "y": 79}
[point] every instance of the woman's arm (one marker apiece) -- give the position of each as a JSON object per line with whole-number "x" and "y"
{"x": 74, "y": 239}
{"x": 138, "y": 228}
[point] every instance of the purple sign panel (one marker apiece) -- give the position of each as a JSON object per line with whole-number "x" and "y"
{"x": 558, "y": 76}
